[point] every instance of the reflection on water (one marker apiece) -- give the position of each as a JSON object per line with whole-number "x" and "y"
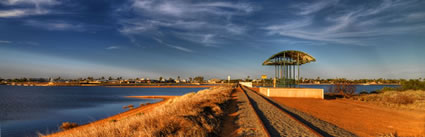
{"x": 24, "y": 111}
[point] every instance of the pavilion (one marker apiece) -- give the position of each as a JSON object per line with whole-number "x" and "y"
{"x": 287, "y": 66}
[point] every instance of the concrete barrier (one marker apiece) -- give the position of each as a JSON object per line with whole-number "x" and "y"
{"x": 293, "y": 92}
{"x": 248, "y": 84}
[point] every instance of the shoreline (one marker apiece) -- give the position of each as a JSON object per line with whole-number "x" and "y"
{"x": 119, "y": 116}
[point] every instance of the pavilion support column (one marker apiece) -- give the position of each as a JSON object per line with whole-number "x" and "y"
{"x": 281, "y": 69}
{"x": 298, "y": 73}
{"x": 275, "y": 70}
{"x": 287, "y": 74}
{"x": 295, "y": 76}
{"x": 290, "y": 75}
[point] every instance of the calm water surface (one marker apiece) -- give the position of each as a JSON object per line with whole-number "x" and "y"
{"x": 24, "y": 111}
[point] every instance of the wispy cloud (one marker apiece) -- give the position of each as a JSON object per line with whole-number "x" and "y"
{"x": 135, "y": 26}
{"x": 310, "y": 8}
{"x": 197, "y": 21}
{"x": 207, "y": 39}
{"x": 55, "y": 25}
{"x": 348, "y": 25}
{"x": 173, "y": 46}
{"x": 112, "y": 47}
{"x": 179, "y": 48}
{"x": 5, "y": 42}
{"x": 21, "y": 12}
{"x": 29, "y": 2}
{"x": 21, "y": 8}
{"x": 190, "y": 10}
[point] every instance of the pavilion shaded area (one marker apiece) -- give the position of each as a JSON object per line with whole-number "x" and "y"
{"x": 287, "y": 66}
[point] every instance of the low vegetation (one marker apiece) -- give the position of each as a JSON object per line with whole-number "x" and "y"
{"x": 410, "y": 99}
{"x": 410, "y": 95}
{"x": 413, "y": 84}
{"x": 343, "y": 88}
{"x": 68, "y": 125}
{"x": 194, "y": 114}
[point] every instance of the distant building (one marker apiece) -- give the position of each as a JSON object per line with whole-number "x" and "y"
{"x": 213, "y": 81}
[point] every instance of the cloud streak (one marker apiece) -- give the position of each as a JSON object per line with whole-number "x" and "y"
{"x": 112, "y": 48}
{"x": 348, "y": 25}
{"x": 173, "y": 46}
{"x": 22, "y": 8}
{"x": 194, "y": 22}
{"x": 186, "y": 9}
{"x": 55, "y": 25}
{"x": 5, "y": 42}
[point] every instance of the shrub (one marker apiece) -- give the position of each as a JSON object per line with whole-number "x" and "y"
{"x": 129, "y": 107}
{"x": 387, "y": 89}
{"x": 344, "y": 88}
{"x": 364, "y": 92}
{"x": 401, "y": 99}
{"x": 413, "y": 85}
{"x": 68, "y": 125}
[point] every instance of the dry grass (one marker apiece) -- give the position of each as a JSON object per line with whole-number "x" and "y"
{"x": 398, "y": 99}
{"x": 68, "y": 125}
{"x": 193, "y": 114}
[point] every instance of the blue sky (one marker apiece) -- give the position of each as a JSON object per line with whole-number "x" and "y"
{"x": 151, "y": 38}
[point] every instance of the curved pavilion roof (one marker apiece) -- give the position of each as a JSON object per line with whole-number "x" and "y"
{"x": 291, "y": 58}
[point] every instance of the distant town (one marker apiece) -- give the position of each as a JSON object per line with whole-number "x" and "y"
{"x": 117, "y": 81}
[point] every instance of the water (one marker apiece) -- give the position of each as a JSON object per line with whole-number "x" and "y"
{"x": 25, "y": 111}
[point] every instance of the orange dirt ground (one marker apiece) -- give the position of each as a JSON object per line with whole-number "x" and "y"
{"x": 123, "y": 115}
{"x": 229, "y": 127}
{"x": 161, "y": 86}
{"x": 361, "y": 118}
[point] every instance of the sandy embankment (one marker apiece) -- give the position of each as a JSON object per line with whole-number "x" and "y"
{"x": 161, "y": 86}
{"x": 123, "y": 115}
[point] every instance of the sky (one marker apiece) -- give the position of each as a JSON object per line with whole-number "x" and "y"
{"x": 151, "y": 38}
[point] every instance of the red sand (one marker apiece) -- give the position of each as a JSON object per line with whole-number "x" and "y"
{"x": 361, "y": 118}
{"x": 161, "y": 86}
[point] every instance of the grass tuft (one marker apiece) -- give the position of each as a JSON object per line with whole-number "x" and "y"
{"x": 399, "y": 99}
{"x": 68, "y": 125}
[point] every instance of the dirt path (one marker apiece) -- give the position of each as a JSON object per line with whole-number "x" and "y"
{"x": 361, "y": 118}
{"x": 229, "y": 127}
{"x": 143, "y": 109}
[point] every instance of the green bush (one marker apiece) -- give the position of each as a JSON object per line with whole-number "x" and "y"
{"x": 387, "y": 89}
{"x": 364, "y": 92}
{"x": 413, "y": 84}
